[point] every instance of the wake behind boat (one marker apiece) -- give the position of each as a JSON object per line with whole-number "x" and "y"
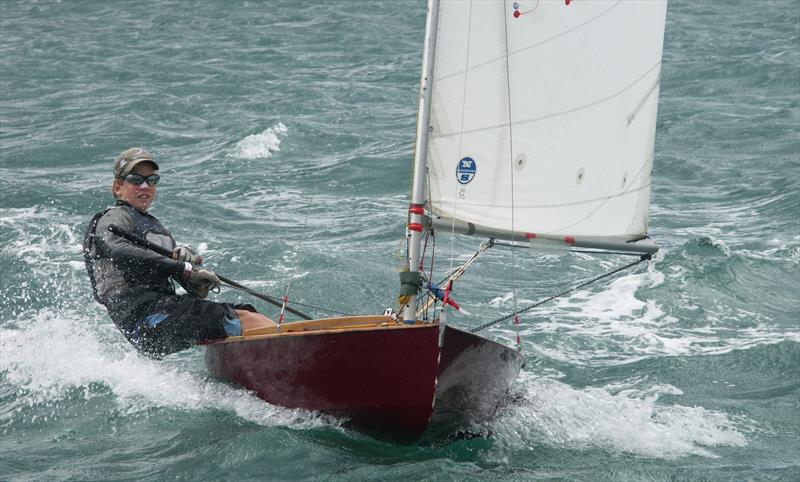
{"x": 535, "y": 128}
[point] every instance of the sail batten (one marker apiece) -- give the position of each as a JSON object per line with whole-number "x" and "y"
{"x": 543, "y": 116}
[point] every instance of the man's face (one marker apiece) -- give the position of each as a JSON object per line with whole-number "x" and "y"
{"x": 140, "y": 196}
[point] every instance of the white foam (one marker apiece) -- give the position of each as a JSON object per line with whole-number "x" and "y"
{"x": 42, "y": 237}
{"x": 261, "y": 146}
{"x": 202, "y": 249}
{"x": 77, "y": 265}
{"x": 624, "y": 419}
{"x": 52, "y": 355}
{"x": 10, "y": 217}
{"x": 502, "y": 300}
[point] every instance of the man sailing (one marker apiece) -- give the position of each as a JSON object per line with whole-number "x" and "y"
{"x": 136, "y": 285}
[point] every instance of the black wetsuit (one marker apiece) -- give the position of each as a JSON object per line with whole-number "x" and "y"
{"x": 136, "y": 286}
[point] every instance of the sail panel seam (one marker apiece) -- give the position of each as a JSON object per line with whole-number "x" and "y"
{"x": 528, "y": 47}
{"x": 573, "y": 203}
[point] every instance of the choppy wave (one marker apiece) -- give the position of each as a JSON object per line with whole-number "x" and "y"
{"x": 669, "y": 309}
{"x": 261, "y": 145}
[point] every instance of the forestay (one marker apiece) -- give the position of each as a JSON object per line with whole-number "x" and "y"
{"x": 543, "y": 116}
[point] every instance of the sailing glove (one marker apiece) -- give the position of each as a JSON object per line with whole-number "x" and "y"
{"x": 202, "y": 276}
{"x": 182, "y": 253}
{"x": 201, "y": 291}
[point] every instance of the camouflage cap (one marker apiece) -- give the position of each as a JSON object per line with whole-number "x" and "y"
{"x": 128, "y": 159}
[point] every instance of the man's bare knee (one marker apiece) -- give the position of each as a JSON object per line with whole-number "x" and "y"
{"x": 252, "y": 320}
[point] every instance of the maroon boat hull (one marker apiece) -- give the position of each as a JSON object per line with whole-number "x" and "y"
{"x": 388, "y": 382}
{"x": 474, "y": 377}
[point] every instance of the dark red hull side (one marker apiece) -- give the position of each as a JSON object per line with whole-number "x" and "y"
{"x": 474, "y": 377}
{"x": 390, "y": 383}
{"x": 382, "y": 380}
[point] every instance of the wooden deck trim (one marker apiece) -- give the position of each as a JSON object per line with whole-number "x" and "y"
{"x": 323, "y": 325}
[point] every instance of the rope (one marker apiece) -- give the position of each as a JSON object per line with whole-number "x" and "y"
{"x": 428, "y": 236}
{"x": 643, "y": 258}
{"x": 305, "y": 305}
{"x": 328, "y": 310}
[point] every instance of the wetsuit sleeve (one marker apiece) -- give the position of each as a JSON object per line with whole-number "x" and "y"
{"x": 123, "y": 251}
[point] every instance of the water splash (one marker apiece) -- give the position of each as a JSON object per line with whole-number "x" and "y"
{"x": 261, "y": 146}
{"x": 54, "y": 355}
{"x": 613, "y": 418}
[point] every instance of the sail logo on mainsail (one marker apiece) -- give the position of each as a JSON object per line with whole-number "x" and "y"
{"x": 466, "y": 170}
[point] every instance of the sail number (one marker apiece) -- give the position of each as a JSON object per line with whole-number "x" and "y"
{"x": 465, "y": 171}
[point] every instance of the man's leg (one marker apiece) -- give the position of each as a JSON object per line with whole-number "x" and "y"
{"x": 252, "y": 321}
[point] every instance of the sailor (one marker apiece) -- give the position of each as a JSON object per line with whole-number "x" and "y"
{"x": 136, "y": 285}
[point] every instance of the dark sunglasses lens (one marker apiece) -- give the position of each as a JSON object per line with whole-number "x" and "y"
{"x": 136, "y": 179}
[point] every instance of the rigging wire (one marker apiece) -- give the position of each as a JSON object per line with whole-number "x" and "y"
{"x": 432, "y": 234}
{"x": 428, "y": 276}
{"x": 456, "y": 273}
{"x": 511, "y": 159}
{"x": 643, "y": 258}
{"x": 285, "y": 298}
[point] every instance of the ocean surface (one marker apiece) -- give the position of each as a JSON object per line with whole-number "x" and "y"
{"x": 284, "y": 131}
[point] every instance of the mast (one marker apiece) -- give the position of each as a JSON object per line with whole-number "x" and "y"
{"x": 416, "y": 208}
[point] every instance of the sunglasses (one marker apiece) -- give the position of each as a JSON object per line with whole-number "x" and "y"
{"x": 137, "y": 179}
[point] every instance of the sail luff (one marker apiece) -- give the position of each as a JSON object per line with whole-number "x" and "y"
{"x": 418, "y": 186}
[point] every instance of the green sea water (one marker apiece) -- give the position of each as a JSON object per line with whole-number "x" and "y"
{"x": 284, "y": 131}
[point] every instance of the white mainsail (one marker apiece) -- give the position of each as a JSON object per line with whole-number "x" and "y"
{"x": 543, "y": 116}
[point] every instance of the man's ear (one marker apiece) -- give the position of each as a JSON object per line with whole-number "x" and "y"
{"x": 115, "y": 186}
